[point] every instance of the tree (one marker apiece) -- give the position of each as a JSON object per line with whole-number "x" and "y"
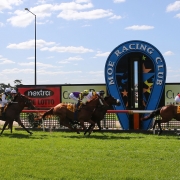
{"x": 17, "y": 82}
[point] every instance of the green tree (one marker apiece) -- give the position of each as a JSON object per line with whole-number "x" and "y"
{"x": 17, "y": 82}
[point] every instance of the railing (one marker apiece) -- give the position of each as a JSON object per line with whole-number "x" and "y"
{"x": 30, "y": 119}
{"x": 173, "y": 124}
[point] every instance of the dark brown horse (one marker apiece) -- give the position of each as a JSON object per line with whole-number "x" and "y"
{"x": 166, "y": 112}
{"x": 84, "y": 115}
{"x": 13, "y": 110}
{"x": 100, "y": 112}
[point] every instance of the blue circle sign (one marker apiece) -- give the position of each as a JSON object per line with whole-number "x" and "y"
{"x": 119, "y": 74}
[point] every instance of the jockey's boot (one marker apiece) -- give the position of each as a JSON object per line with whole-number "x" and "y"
{"x": 75, "y": 115}
{"x": 78, "y": 105}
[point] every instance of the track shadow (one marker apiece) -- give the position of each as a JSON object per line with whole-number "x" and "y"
{"x": 102, "y": 136}
{"x": 24, "y": 136}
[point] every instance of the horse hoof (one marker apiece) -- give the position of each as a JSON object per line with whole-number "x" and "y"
{"x": 30, "y": 133}
{"x": 78, "y": 132}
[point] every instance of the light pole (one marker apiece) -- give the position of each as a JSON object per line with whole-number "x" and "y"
{"x": 35, "y": 45}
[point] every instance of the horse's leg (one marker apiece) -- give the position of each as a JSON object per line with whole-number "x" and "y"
{"x": 10, "y": 126}
{"x": 90, "y": 126}
{"x": 99, "y": 125}
{"x": 22, "y": 125}
{"x": 159, "y": 125}
{"x": 5, "y": 124}
{"x": 82, "y": 125}
{"x": 18, "y": 120}
{"x": 65, "y": 122}
{"x": 73, "y": 129}
{"x": 154, "y": 125}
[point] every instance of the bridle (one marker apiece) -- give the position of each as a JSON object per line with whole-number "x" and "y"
{"x": 25, "y": 100}
{"x": 110, "y": 100}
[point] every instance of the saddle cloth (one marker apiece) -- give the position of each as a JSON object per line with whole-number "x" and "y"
{"x": 178, "y": 109}
{"x": 71, "y": 107}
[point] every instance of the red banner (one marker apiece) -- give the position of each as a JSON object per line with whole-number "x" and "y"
{"x": 42, "y": 97}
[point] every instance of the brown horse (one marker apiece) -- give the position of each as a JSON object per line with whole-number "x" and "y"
{"x": 166, "y": 112}
{"x": 13, "y": 110}
{"x": 84, "y": 115}
{"x": 100, "y": 112}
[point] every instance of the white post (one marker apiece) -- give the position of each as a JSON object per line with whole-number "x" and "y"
{"x": 154, "y": 130}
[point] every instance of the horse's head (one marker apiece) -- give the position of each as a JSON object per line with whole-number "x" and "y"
{"x": 24, "y": 100}
{"x": 112, "y": 101}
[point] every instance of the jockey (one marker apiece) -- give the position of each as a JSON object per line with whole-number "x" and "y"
{"x": 5, "y": 99}
{"x": 13, "y": 93}
{"x": 101, "y": 93}
{"x": 88, "y": 96}
{"x": 78, "y": 97}
{"x": 177, "y": 99}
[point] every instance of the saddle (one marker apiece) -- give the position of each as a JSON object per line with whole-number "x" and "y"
{"x": 71, "y": 107}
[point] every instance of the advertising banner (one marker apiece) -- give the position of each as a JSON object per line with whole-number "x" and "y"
{"x": 66, "y": 90}
{"x": 121, "y": 77}
{"x": 171, "y": 90}
{"x": 42, "y": 96}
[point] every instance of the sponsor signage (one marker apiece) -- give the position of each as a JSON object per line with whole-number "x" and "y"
{"x": 42, "y": 96}
{"x": 152, "y": 79}
{"x": 171, "y": 90}
{"x": 66, "y": 90}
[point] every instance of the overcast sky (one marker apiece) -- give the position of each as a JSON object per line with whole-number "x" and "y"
{"x": 75, "y": 37}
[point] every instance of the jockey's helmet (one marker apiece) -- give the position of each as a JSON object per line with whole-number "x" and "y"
{"x": 13, "y": 91}
{"x": 101, "y": 92}
{"x": 7, "y": 90}
{"x": 85, "y": 92}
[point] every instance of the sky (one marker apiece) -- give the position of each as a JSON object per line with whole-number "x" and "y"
{"x": 75, "y": 37}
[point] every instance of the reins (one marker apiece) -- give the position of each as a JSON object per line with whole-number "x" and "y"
{"x": 86, "y": 107}
{"x": 21, "y": 99}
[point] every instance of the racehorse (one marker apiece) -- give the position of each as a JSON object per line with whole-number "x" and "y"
{"x": 99, "y": 113}
{"x": 84, "y": 115}
{"x": 166, "y": 112}
{"x": 13, "y": 110}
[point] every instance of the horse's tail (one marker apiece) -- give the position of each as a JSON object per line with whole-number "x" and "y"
{"x": 152, "y": 114}
{"x": 49, "y": 112}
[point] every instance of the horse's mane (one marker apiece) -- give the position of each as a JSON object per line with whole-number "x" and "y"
{"x": 106, "y": 97}
{"x": 19, "y": 94}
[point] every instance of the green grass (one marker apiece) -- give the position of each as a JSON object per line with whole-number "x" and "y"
{"x": 69, "y": 156}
